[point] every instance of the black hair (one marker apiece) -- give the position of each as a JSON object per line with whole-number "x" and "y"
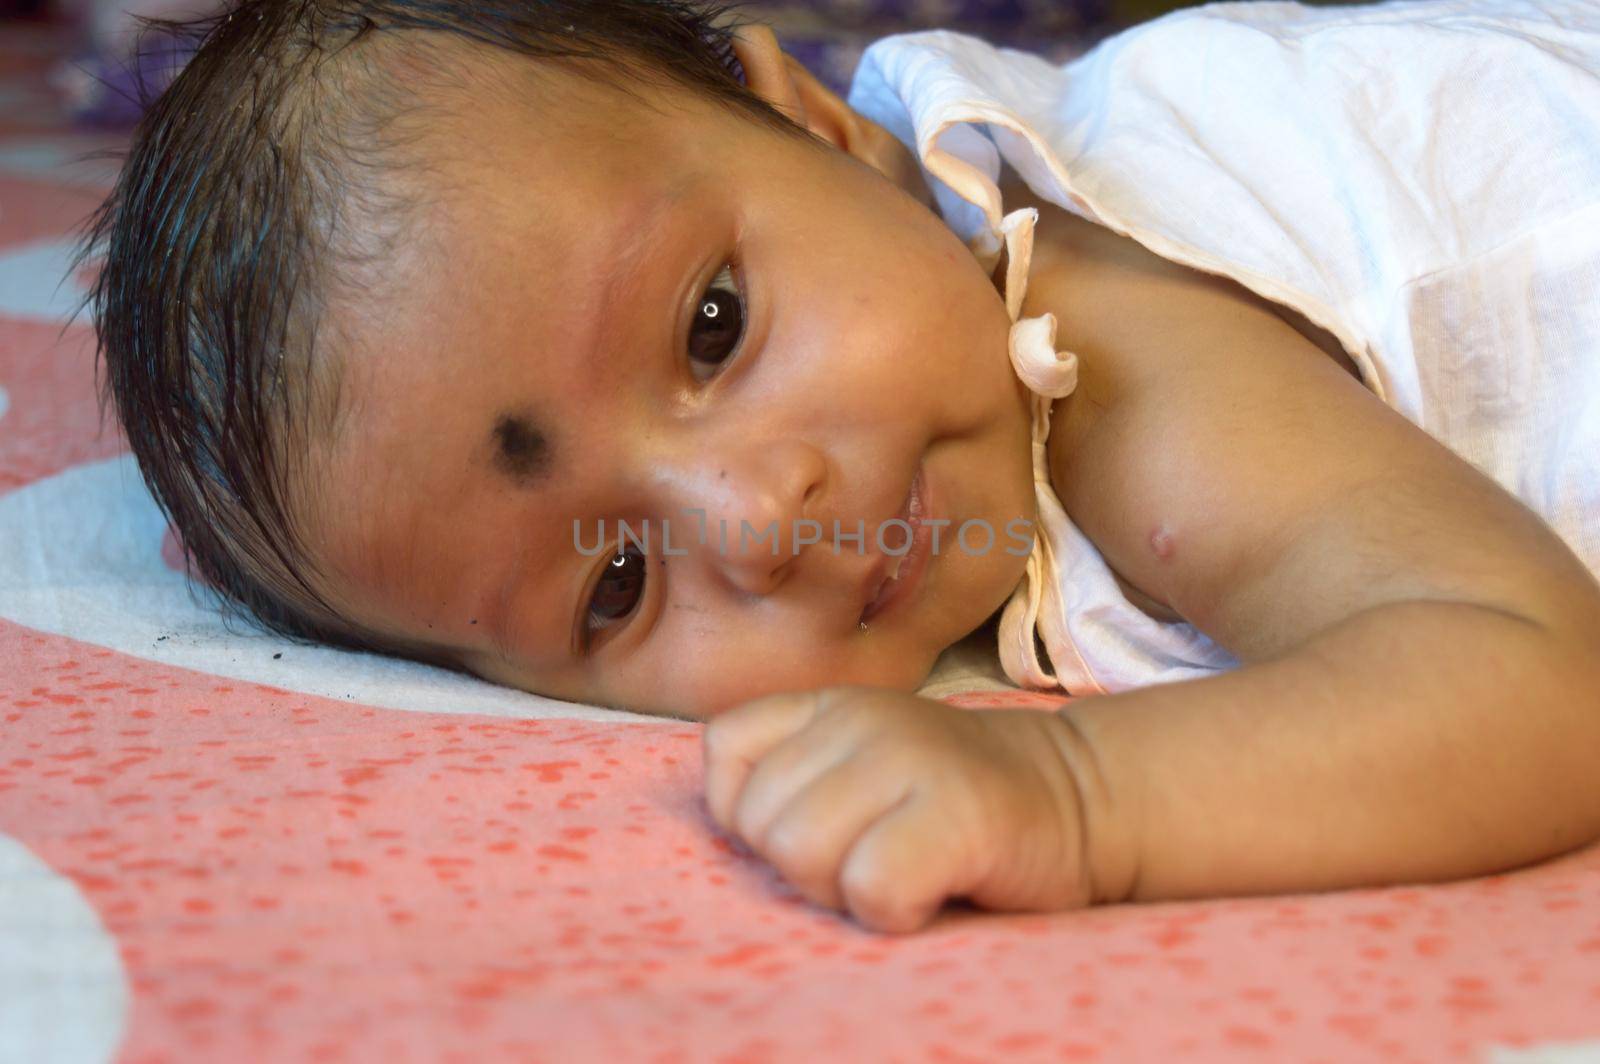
{"x": 220, "y": 239}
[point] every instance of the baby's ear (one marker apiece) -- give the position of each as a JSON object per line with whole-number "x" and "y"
{"x": 787, "y": 85}
{"x": 776, "y": 77}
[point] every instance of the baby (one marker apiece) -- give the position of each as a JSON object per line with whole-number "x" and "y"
{"x": 406, "y": 306}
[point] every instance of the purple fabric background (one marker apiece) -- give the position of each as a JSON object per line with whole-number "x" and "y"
{"x": 828, "y": 36}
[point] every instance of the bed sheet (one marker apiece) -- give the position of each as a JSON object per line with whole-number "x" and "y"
{"x": 217, "y": 846}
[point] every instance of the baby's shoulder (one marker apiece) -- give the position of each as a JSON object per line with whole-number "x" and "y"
{"x": 1139, "y": 324}
{"x": 1133, "y": 316}
{"x": 1099, "y": 283}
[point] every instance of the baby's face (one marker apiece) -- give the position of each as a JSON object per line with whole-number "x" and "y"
{"x": 613, "y": 312}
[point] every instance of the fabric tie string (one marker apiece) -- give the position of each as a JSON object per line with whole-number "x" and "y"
{"x": 1050, "y": 375}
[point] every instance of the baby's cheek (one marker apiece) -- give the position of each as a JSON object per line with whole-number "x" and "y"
{"x": 722, "y": 678}
{"x": 699, "y": 664}
{"x": 753, "y": 677}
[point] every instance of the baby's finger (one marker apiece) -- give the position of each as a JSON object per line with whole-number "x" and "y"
{"x": 903, "y": 867}
{"x": 735, "y": 740}
{"x": 810, "y": 837}
{"x": 787, "y": 770}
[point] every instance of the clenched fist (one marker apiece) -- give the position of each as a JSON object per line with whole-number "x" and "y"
{"x": 884, "y": 804}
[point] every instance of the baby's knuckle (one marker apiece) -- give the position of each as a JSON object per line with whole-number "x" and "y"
{"x": 796, "y": 848}
{"x": 835, "y": 702}
{"x": 715, "y": 740}
{"x": 887, "y": 914}
{"x": 748, "y": 824}
{"x": 871, "y": 894}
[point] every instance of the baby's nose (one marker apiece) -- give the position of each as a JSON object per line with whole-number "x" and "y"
{"x": 750, "y": 512}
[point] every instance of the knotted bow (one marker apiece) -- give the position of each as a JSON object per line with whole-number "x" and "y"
{"x": 1050, "y": 376}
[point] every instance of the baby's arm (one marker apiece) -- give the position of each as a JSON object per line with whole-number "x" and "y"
{"x": 1419, "y": 699}
{"x": 1422, "y": 655}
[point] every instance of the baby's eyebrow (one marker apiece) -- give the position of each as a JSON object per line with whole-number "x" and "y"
{"x": 521, "y": 450}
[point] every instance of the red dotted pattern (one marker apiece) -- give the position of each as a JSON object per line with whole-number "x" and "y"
{"x": 291, "y": 878}
{"x": 299, "y": 879}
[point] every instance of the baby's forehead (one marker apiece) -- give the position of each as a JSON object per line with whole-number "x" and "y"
{"x": 480, "y": 189}
{"x": 537, "y": 190}
{"x": 432, "y": 87}
{"x": 495, "y": 299}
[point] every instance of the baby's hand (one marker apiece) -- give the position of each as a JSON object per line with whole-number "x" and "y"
{"x": 885, "y": 804}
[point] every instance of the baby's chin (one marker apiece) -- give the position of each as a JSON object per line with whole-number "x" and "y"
{"x": 899, "y": 671}
{"x": 909, "y": 677}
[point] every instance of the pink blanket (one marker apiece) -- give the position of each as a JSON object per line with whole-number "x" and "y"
{"x": 216, "y": 846}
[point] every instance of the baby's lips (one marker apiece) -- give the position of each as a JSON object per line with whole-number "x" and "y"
{"x": 895, "y": 561}
{"x": 876, "y": 578}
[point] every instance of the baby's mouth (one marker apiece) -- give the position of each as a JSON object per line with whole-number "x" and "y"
{"x": 912, "y": 513}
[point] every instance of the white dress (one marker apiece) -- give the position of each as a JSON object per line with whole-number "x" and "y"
{"x": 1420, "y": 178}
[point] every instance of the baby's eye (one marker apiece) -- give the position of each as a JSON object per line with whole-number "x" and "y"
{"x": 718, "y": 323}
{"x": 619, "y": 590}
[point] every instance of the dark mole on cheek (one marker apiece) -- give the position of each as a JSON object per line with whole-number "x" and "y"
{"x": 521, "y": 450}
